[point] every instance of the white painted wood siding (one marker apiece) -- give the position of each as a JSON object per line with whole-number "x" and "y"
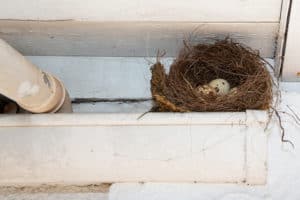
{"x": 135, "y": 27}
{"x": 143, "y": 10}
{"x": 123, "y": 39}
{"x": 98, "y": 77}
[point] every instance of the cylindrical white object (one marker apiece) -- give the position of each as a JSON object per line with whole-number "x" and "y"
{"x": 30, "y": 87}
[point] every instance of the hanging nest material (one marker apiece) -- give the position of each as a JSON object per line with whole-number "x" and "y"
{"x": 196, "y": 66}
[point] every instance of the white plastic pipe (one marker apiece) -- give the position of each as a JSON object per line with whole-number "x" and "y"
{"x": 21, "y": 81}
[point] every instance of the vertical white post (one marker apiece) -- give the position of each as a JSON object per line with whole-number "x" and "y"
{"x": 281, "y": 37}
{"x": 291, "y": 64}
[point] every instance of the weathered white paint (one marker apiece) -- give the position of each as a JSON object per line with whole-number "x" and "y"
{"x": 190, "y": 191}
{"x": 142, "y": 10}
{"x": 281, "y": 36}
{"x": 101, "y": 77}
{"x": 84, "y": 148}
{"x": 113, "y": 107}
{"x": 122, "y": 119}
{"x": 283, "y": 169}
{"x": 256, "y": 122}
{"x": 104, "y": 77}
{"x": 69, "y": 38}
{"x": 291, "y": 68}
{"x": 283, "y": 164}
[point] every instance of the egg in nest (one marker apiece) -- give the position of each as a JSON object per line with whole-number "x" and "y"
{"x": 221, "y": 86}
{"x": 205, "y": 90}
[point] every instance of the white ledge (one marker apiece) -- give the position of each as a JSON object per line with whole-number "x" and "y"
{"x": 123, "y": 119}
{"x": 159, "y": 147}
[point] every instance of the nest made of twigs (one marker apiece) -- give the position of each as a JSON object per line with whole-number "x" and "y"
{"x": 197, "y": 65}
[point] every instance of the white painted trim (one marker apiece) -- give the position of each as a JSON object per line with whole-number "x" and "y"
{"x": 103, "y": 77}
{"x": 160, "y": 147}
{"x": 281, "y": 37}
{"x": 113, "y": 107}
{"x": 134, "y": 39}
{"x": 256, "y": 141}
{"x": 283, "y": 169}
{"x": 143, "y": 10}
{"x": 291, "y": 67}
{"x": 122, "y": 119}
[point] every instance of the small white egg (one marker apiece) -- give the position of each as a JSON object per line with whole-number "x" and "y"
{"x": 221, "y": 86}
{"x": 205, "y": 90}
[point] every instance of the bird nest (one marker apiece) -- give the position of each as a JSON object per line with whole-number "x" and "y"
{"x": 190, "y": 84}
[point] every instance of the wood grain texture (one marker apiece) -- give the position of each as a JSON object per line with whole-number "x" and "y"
{"x": 291, "y": 65}
{"x": 143, "y": 10}
{"x": 139, "y": 39}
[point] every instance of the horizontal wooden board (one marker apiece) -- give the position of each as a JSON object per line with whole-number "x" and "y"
{"x": 125, "y": 119}
{"x": 102, "y": 77}
{"x": 98, "y": 77}
{"x": 143, "y": 10}
{"x": 122, "y": 39}
{"x": 88, "y": 154}
{"x": 159, "y": 147}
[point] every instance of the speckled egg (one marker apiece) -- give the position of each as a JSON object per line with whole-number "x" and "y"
{"x": 221, "y": 86}
{"x": 205, "y": 90}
